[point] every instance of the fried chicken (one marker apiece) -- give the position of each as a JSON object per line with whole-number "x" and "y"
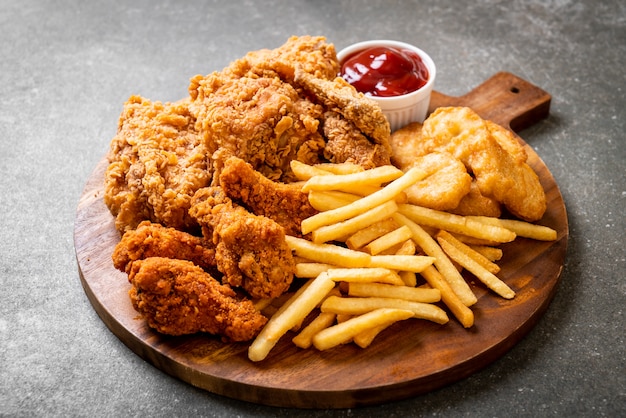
{"x": 340, "y": 96}
{"x": 251, "y": 250}
{"x": 311, "y": 54}
{"x": 347, "y": 144}
{"x": 154, "y": 240}
{"x": 262, "y": 120}
{"x": 284, "y": 203}
{"x": 177, "y": 297}
{"x": 157, "y": 162}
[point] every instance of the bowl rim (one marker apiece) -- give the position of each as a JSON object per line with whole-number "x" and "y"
{"x": 428, "y": 61}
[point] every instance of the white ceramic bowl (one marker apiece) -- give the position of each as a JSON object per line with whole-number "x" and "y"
{"x": 407, "y": 108}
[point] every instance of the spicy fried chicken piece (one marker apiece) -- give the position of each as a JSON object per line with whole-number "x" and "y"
{"x": 498, "y": 173}
{"x": 156, "y": 163}
{"x": 284, "y": 203}
{"x": 251, "y": 250}
{"x": 154, "y": 240}
{"x": 177, "y": 297}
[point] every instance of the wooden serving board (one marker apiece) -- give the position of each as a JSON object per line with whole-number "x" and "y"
{"x": 410, "y": 358}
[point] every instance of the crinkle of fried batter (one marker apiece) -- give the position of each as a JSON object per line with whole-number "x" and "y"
{"x": 157, "y": 161}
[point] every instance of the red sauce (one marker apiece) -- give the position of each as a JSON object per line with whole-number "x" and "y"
{"x": 385, "y": 71}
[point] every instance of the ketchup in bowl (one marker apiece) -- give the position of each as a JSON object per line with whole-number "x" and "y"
{"x": 384, "y": 71}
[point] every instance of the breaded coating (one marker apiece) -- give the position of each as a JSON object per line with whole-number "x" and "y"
{"x": 251, "y": 250}
{"x": 347, "y": 144}
{"x": 261, "y": 120}
{"x": 157, "y": 162}
{"x": 177, "y": 297}
{"x": 284, "y": 203}
{"x": 311, "y": 54}
{"x": 474, "y": 203}
{"x": 499, "y": 174}
{"x": 154, "y": 240}
{"x": 342, "y": 97}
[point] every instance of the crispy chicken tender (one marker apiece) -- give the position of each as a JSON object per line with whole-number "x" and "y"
{"x": 251, "y": 250}
{"x": 155, "y": 240}
{"x": 284, "y": 203}
{"x": 157, "y": 162}
{"x": 498, "y": 173}
{"x": 177, "y": 297}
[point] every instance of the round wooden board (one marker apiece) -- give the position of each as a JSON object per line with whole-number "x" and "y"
{"x": 410, "y": 358}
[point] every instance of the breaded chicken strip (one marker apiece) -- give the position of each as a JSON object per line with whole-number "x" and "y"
{"x": 154, "y": 240}
{"x": 177, "y": 297}
{"x": 284, "y": 203}
{"x": 157, "y": 162}
{"x": 251, "y": 250}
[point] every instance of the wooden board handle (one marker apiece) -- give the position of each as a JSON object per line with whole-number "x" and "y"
{"x": 504, "y": 99}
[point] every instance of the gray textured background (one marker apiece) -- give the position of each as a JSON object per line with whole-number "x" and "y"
{"x": 67, "y": 67}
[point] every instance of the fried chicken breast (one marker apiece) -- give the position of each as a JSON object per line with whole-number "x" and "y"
{"x": 177, "y": 297}
{"x": 250, "y": 250}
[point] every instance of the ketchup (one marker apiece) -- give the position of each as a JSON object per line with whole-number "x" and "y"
{"x": 385, "y": 71}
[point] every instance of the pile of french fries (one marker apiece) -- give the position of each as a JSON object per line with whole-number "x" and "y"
{"x": 373, "y": 259}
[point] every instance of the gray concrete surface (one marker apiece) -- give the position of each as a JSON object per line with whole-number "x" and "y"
{"x": 67, "y": 67}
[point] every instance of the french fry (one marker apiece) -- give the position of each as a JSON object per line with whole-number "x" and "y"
{"x": 340, "y": 168}
{"x": 304, "y": 171}
{"x": 389, "y": 192}
{"x": 395, "y": 292}
{"x": 388, "y": 240}
{"x": 345, "y": 331}
{"x": 414, "y": 263}
{"x": 305, "y": 338}
{"x": 468, "y": 251}
{"x": 490, "y": 253}
{"x": 520, "y": 228}
{"x": 311, "y": 270}
{"x": 330, "y": 199}
{"x": 460, "y": 311}
{"x": 408, "y": 277}
{"x": 488, "y": 278}
{"x": 365, "y": 275}
{"x": 328, "y": 253}
{"x": 370, "y": 233}
{"x": 359, "y": 306}
{"x": 350, "y": 226}
{"x": 456, "y": 223}
{"x": 364, "y": 339}
{"x": 443, "y": 263}
{"x": 406, "y": 248}
{"x": 290, "y": 315}
{"x": 373, "y": 177}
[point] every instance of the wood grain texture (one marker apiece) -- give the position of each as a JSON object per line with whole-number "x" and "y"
{"x": 410, "y": 358}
